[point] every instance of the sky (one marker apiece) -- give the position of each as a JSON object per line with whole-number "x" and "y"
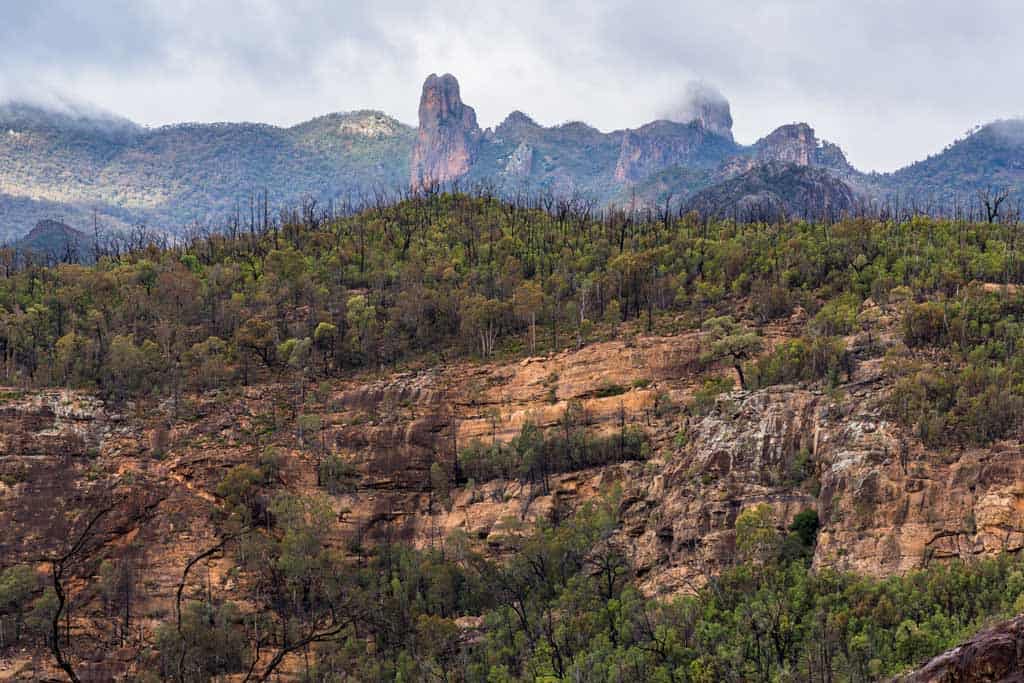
{"x": 889, "y": 81}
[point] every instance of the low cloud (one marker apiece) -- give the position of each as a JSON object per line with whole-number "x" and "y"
{"x": 697, "y": 98}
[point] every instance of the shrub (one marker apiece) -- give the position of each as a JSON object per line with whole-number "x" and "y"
{"x": 801, "y": 360}
{"x": 609, "y": 389}
{"x": 925, "y": 325}
{"x": 704, "y": 398}
{"x": 837, "y": 317}
{"x": 977, "y": 404}
{"x": 337, "y": 475}
{"x": 533, "y": 454}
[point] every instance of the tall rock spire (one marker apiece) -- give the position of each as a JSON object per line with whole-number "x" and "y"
{"x": 448, "y": 137}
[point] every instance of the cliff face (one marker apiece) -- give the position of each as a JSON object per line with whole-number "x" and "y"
{"x": 660, "y": 144}
{"x": 886, "y": 504}
{"x": 448, "y": 136}
{"x": 792, "y": 144}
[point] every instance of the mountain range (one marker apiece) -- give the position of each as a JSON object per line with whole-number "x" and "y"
{"x": 80, "y": 168}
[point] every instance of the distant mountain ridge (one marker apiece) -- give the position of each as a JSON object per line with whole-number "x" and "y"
{"x": 79, "y": 166}
{"x": 54, "y": 166}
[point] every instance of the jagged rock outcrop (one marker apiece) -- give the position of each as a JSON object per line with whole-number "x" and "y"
{"x": 520, "y": 163}
{"x": 792, "y": 144}
{"x": 448, "y": 137}
{"x": 795, "y": 143}
{"x": 886, "y": 504}
{"x": 517, "y": 124}
{"x": 704, "y": 105}
{"x": 996, "y": 655}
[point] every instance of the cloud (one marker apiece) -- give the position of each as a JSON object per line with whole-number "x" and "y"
{"x": 890, "y": 82}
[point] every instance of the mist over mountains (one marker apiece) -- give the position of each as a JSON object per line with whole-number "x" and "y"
{"x": 79, "y": 166}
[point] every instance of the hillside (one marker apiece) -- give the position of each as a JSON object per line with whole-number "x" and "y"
{"x": 466, "y": 438}
{"x": 172, "y": 176}
{"x": 991, "y": 156}
{"x": 774, "y": 191}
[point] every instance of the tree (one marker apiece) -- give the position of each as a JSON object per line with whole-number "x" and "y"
{"x": 730, "y": 342}
{"x": 991, "y": 199}
{"x": 756, "y": 536}
{"x": 361, "y": 317}
{"x": 483, "y": 318}
{"x": 259, "y": 337}
{"x": 17, "y": 585}
{"x": 529, "y": 298}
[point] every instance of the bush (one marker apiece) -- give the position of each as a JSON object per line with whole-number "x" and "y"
{"x": 704, "y": 398}
{"x": 801, "y": 360}
{"x": 533, "y": 455}
{"x": 771, "y": 302}
{"x": 337, "y": 475}
{"x": 609, "y": 389}
{"x": 925, "y": 325}
{"x": 977, "y": 404}
{"x": 837, "y": 317}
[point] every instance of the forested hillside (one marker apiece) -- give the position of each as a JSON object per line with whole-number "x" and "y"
{"x": 457, "y": 438}
{"x": 64, "y": 166}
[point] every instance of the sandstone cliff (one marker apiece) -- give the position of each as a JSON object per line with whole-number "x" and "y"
{"x": 886, "y": 504}
{"x": 660, "y": 144}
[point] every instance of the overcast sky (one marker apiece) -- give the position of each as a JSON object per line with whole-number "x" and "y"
{"x": 889, "y": 81}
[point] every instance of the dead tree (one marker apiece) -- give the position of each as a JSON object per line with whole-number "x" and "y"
{"x": 58, "y": 568}
{"x": 991, "y": 199}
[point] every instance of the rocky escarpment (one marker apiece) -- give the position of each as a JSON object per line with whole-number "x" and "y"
{"x": 448, "y": 137}
{"x": 995, "y": 655}
{"x": 886, "y": 504}
{"x": 795, "y": 144}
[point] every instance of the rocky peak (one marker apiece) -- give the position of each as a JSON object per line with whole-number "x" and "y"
{"x": 703, "y": 104}
{"x": 368, "y": 124}
{"x": 794, "y": 143}
{"x": 448, "y": 137}
{"x": 518, "y": 119}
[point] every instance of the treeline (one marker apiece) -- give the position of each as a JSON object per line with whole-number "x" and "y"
{"x": 316, "y": 293}
{"x": 562, "y": 606}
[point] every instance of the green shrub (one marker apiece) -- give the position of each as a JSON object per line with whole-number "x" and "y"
{"x": 609, "y": 389}
{"x": 533, "y": 454}
{"x": 801, "y": 360}
{"x": 703, "y": 400}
